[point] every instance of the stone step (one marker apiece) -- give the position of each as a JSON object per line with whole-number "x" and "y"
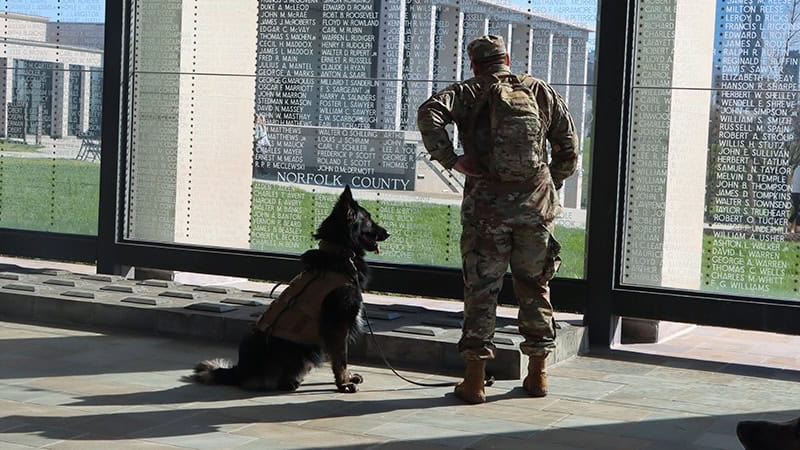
{"x": 409, "y": 337}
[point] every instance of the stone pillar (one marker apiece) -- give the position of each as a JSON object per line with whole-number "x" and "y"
{"x": 559, "y": 79}
{"x": 448, "y": 38}
{"x": 59, "y": 109}
{"x": 449, "y": 50}
{"x": 154, "y": 135}
{"x": 577, "y": 106}
{"x": 541, "y": 53}
{"x": 420, "y": 43}
{"x": 559, "y": 66}
{"x": 687, "y": 159}
{"x": 215, "y": 142}
{"x": 391, "y": 41}
{"x": 665, "y": 202}
{"x": 521, "y": 48}
{"x": 86, "y": 96}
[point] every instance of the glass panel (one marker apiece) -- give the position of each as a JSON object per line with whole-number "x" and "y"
{"x": 50, "y": 114}
{"x": 248, "y": 117}
{"x": 714, "y": 151}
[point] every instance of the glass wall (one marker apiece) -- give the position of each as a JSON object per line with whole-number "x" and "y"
{"x": 249, "y": 116}
{"x": 713, "y": 179}
{"x": 49, "y": 123}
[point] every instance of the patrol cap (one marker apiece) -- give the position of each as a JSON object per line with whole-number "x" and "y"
{"x": 486, "y": 48}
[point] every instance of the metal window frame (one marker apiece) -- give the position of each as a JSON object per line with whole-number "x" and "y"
{"x": 115, "y": 252}
{"x": 610, "y": 298}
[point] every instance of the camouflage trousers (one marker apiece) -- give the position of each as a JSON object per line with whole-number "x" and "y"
{"x": 486, "y": 253}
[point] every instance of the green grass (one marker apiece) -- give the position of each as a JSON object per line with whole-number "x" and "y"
{"x": 59, "y": 195}
{"x": 738, "y": 263}
{"x": 62, "y": 196}
{"x": 422, "y": 233}
{"x": 19, "y": 147}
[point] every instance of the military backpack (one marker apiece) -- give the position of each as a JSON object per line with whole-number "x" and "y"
{"x": 517, "y": 132}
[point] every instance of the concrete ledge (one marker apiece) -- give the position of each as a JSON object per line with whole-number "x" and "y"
{"x": 646, "y": 331}
{"x": 411, "y": 337}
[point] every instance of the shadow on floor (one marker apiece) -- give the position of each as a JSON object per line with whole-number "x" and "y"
{"x": 695, "y": 364}
{"x": 61, "y": 356}
{"x": 699, "y": 432}
{"x": 113, "y": 354}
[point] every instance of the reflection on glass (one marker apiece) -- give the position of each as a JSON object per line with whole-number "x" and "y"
{"x": 49, "y": 115}
{"x": 715, "y": 111}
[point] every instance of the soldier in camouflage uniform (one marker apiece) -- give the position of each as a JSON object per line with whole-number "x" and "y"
{"x": 503, "y": 222}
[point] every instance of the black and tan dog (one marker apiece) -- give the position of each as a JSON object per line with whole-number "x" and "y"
{"x": 765, "y": 435}
{"x": 319, "y": 312}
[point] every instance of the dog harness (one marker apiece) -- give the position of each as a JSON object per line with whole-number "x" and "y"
{"x": 295, "y": 314}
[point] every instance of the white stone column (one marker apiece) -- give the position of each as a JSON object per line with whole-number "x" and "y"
{"x": 449, "y": 48}
{"x": 59, "y": 108}
{"x": 154, "y": 135}
{"x": 577, "y": 106}
{"x": 448, "y": 39}
{"x": 559, "y": 67}
{"x": 688, "y": 149}
{"x": 86, "y": 95}
{"x": 559, "y": 79}
{"x": 391, "y": 42}
{"x": 521, "y": 48}
{"x": 215, "y": 142}
{"x": 541, "y": 53}
{"x": 420, "y": 42}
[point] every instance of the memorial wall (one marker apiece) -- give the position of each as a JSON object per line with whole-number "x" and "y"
{"x": 708, "y": 199}
{"x": 754, "y": 117}
{"x": 328, "y": 94}
{"x": 317, "y": 95}
{"x": 647, "y": 174}
{"x": 155, "y": 109}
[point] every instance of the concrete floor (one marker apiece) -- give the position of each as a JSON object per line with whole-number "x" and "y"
{"x": 70, "y": 389}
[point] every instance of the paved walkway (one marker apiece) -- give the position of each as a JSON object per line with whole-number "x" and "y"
{"x": 68, "y": 389}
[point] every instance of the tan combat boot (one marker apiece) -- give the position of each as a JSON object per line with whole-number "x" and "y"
{"x": 536, "y": 381}
{"x": 471, "y": 389}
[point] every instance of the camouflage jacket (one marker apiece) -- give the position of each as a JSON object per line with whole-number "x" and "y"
{"x": 483, "y": 199}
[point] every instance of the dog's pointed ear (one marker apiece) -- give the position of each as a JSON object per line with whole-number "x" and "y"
{"x": 346, "y": 199}
{"x": 347, "y": 195}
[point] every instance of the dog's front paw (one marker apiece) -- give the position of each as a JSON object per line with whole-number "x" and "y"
{"x": 356, "y": 378}
{"x": 348, "y": 388}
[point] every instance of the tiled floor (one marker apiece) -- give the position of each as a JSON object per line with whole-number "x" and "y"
{"x": 727, "y": 345}
{"x": 67, "y": 389}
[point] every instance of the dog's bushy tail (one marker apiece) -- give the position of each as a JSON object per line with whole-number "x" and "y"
{"x": 216, "y": 371}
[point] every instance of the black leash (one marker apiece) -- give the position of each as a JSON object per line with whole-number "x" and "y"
{"x": 489, "y": 380}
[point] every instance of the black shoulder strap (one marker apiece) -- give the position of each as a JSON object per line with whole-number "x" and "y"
{"x": 482, "y": 100}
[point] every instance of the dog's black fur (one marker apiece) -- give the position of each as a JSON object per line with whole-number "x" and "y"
{"x": 765, "y": 435}
{"x": 271, "y": 363}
